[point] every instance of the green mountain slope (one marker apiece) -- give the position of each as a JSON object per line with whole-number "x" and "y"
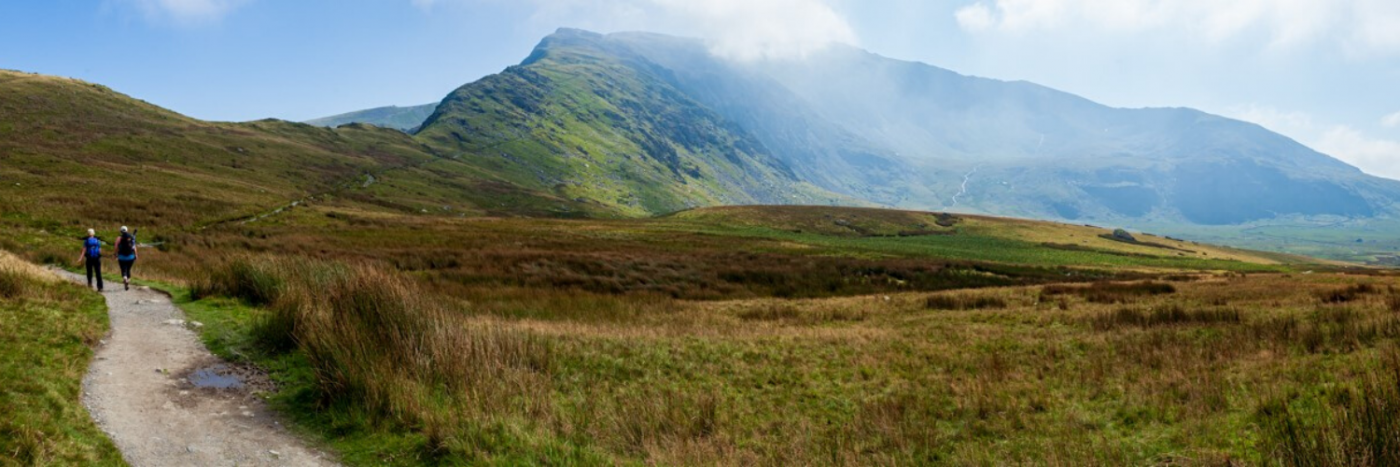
{"x": 398, "y": 118}
{"x": 75, "y": 155}
{"x": 592, "y": 121}
{"x": 818, "y": 150}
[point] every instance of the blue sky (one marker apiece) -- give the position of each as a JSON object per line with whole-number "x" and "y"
{"x": 1321, "y": 71}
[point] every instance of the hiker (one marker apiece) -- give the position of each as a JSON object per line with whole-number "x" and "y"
{"x": 126, "y": 255}
{"x": 92, "y": 253}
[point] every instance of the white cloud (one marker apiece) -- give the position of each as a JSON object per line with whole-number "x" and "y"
{"x": 751, "y": 29}
{"x": 1376, "y": 156}
{"x": 976, "y": 17}
{"x": 1377, "y": 27}
{"x": 187, "y": 12}
{"x": 1290, "y": 123}
{"x": 1391, "y": 121}
{"x": 1360, "y": 26}
{"x": 737, "y": 29}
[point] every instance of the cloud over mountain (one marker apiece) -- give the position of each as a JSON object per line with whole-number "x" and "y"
{"x": 1356, "y": 26}
{"x": 736, "y": 29}
{"x": 186, "y": 12}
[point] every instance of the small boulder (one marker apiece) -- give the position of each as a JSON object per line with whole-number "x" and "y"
{"x": 1123, "y": 236}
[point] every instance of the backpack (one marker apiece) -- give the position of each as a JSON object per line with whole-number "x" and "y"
{"x": 94, "y": 248}
{"x": 126, "y": 246}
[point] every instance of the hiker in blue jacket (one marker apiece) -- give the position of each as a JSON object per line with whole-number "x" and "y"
{"x": 92, "y": 253}
{"x": 126, "y": 255}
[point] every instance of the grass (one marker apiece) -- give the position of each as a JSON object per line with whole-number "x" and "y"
{"x": 963, "y": 302}
{"x": 47, "y": 330}
{"x": 1354, "y": 426}
{"x": 863, "y": 379}
{"x": 1111, "y": 292}
{"x": 1347, "y": 294}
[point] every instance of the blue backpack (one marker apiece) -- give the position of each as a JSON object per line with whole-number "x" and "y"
{"x": 94, "y": 248}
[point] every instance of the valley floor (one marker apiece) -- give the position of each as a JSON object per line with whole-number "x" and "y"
{"x": 1206, "y": 369}
{"x": 789, "y": 336}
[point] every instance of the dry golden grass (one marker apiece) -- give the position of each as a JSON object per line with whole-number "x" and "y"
{"x": 11, "y": 264}
{"x": 1183, "y": 377}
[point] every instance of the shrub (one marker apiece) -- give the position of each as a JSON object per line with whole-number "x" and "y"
{"x": 1347, "y": 294}
{"x": 258, "y": 283}
{"x": 791, "y": 314}
{"x": 960, "y": 303}
{"x": 1111, "y": 292}
{"x": 1165, "y": 316}
{"x": 12, "y": 285}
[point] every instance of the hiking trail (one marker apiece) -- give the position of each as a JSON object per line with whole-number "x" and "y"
{"x": 166, "y": 401}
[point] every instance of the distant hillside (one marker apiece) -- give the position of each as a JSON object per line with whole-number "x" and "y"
{"x": 1029, "y": 150}
{"x": 398, "y": 118}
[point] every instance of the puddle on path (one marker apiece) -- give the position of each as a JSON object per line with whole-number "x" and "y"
{"x": 216, "y": 377}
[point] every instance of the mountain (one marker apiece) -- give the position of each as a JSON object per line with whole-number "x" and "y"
{"x": 865, "y": 127}
{"x": 398, "y": 118}
{"x": 1045, "y": 153}
{"x": 590, "y": 119}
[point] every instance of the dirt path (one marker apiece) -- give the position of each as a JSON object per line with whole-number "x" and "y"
{"x": 166, "y": 401}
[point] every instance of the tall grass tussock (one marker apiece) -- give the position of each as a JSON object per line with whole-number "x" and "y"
{"x": 376, "y": 342}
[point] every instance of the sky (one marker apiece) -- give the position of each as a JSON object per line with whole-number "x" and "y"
{"x": 1323, "y": 72}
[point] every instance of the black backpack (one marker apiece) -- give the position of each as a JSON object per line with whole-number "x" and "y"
{"x": 126, "y": 246}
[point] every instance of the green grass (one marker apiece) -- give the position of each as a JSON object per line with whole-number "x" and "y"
{"x": 47, "y": 331}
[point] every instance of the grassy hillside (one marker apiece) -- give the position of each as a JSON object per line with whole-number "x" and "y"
{"x": 589, "y": 121}
{"x": 85, "y": 156}
{"x": 47, "y": 330}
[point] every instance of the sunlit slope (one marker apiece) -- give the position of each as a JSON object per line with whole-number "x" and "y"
{"x": 588, "y": 120}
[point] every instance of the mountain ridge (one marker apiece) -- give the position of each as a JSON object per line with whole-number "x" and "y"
{"x": 912, "y": 135}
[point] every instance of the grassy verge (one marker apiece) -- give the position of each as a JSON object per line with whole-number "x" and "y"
{"x": 47, "y": 330}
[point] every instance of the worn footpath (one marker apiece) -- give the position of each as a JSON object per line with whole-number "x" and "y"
{"x": 166, "y": 401}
